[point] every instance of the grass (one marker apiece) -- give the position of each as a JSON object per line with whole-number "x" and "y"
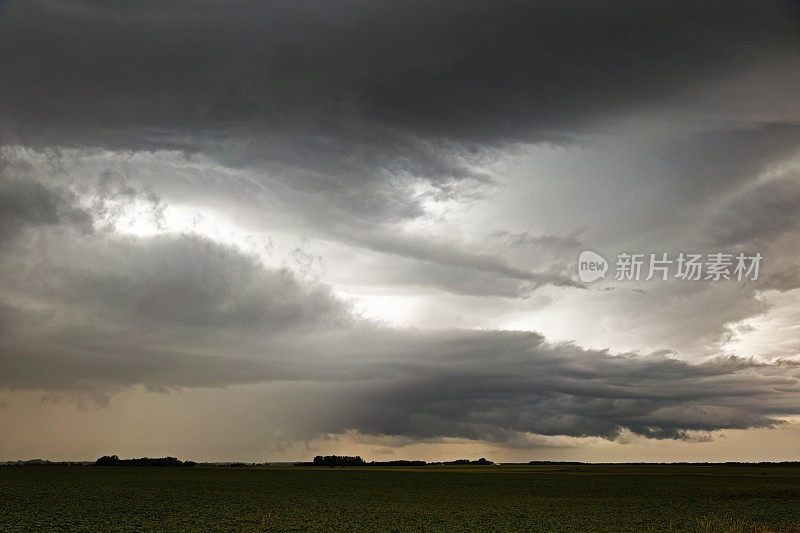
{"x": 507, "y": 498}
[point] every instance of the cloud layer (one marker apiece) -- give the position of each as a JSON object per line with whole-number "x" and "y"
{"x": 97, "y": 312}
{"x": 313, "y": 197}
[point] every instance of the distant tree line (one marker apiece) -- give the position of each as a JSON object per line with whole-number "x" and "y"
{"x": 334, "y": 460}
{"x": 337, "y": 460}
{"x": 481, "y": 461}
{"x": 556, "y": 463}
{"x": 45, "y": 462}
{"x": 399, "y": 462}
{"x": 679, "y": 463}
{"x": 346, "y": 460}
{"x": 113, "y": 460}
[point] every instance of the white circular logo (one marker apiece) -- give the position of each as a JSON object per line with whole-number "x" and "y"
{"x": 591, "y": 266}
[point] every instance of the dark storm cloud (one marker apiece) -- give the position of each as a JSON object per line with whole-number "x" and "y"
{"x": 356, "y": 176}
{"x": 27, "y": 203}
{"x": 349, "y": 118}
{"x": 23, "y": 203}
{"x": 465, "y": 70}
{"x": 344, "y": 108}
{"x": 97, "y": 312}
{"x": 169, "y": 282}
{"x": 162, "y": 281}
{"x": 192, "y": 281}
{"x": 488, "y": 385}
{"x": 477, "y": 385}
{"x": 102, "y": 312}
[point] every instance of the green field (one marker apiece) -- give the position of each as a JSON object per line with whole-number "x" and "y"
{"x": 507, "y": 498}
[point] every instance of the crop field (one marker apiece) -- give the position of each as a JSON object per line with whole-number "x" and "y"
{"x": 500, "y": 498}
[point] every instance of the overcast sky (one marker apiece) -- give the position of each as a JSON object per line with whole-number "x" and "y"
{"x": 262, "y": 230}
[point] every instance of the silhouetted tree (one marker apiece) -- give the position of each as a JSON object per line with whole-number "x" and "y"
{"x": 338, "y": 460}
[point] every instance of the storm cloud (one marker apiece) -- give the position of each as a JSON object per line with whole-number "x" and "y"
{"x": 375, "y": 208}
{"x": 466, "y": 70}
